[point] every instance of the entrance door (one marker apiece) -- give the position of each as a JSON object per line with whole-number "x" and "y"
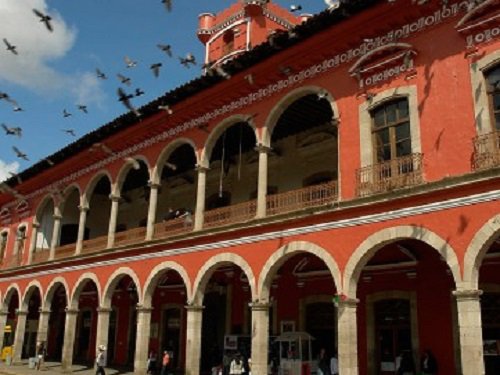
{"x": 393, "y": 334}
{"x": 171, "y": 334}
{"x": 320, "y": 324}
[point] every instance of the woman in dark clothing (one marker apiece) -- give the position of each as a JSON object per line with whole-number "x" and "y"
{"x": 406, "y": 367}
{"x": 429, "y": 364}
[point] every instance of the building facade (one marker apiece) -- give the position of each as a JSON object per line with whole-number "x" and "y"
{"x": 336, "y": 175}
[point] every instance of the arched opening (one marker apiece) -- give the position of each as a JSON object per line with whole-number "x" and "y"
{"x": 33, "y": 301}
{"x": 97, "y": 223}
{"x": 405, "y": 290}
{"x": 87, "y": 299}
{"x": 134, "y": 203}
{"x": 177, "y": 194}
{"x": 45, "y": 219}
{"x": 57, "y": 322}
{"x": 19, "y": 246}
{"x": 232, "y": 176}
{"x": 70, "y": 218}
{"x": 304, "y": 155}
{"x": 12, "y": 302}
{"x": 4, "y": 235}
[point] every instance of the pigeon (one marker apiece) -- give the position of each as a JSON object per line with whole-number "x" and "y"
{"x": 167, "y": 48}
{"x": 294, "y": 8}
{"x": 8, "y": 190}
{"x": 168, "y": 4}
{"x": 12, "y": 131}
{"x": 7, "y": 98}
{"x": 124, "y": 80}
{"x": 189, "y": 59}
{"x": 166, "y": 108}
{"x": 10, "y": 47}
{"x": 70, "y": 132}
{"x": 100, "y": 74}
{"x": 103, "y": 147}
{"x": 66, "y": 114}
{"x": 82, "y": 108}
{"x": 139, "y": 92}
{"x": 135, "y": 163}
{"x": 155, "y": 68}
{"x": 20, "y": 154}
{"x": 125, "y": 99}
{"x": 44, "y": 18}
{"x": 130, "y": 63}
{"x": 332, "y": 4}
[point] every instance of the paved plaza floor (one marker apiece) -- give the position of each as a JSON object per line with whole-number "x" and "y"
{"x": 55, "y": 368}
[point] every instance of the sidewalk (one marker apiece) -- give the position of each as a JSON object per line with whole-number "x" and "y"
{"x": 53, "y": 368}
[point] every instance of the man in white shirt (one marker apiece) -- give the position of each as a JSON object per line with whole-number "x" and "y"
{"x": 334, "y": 365}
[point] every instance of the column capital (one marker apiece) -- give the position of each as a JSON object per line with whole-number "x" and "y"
{"x": 21, "y": 312}
{"x": 57, "y": 216}
{"x": 143, "y": 309}
{"x": 71, "y": 311}
{"x": 44, "y": 311}
{"x": 154, "y": 185}
{"x": 35, "y": 225}
{"x": 348, "y": 303}
{"x": 259, "y": 306}
{"x": 260, "y": 148}
{"x": 467, "y": 294}
{"x": 200, "y": 168}
{"x": 4, "y": 313}
{"x": 104, "y": 310}
{"x": 83, "y": 208}
{"x": 194, "y": 308}
{"x": 114, "y": 198}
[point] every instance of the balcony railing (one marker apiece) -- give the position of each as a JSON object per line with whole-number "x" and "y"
{"x": 41, "y": 255}
{"x": 294, "y": 200}
{"x": 65, "y": 251}
{"x": 237, "y": 213}
{"x": 171, "y": 228}
{"x": 487, "y": 151}
{"x": 130, "y": 236}
{"x": 15, "y": 261}
{"x": 392, "y": 174}
{"x": 94, "y": 245}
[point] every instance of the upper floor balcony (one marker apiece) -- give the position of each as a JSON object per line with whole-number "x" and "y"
{"x": 487, "y": 151}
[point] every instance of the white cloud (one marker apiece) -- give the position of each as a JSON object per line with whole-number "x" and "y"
{"x": 37, "y": 47}
{"x": 6, "y": 168}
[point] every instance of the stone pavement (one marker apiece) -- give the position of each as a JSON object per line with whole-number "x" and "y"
{"x": 52, "y": 368}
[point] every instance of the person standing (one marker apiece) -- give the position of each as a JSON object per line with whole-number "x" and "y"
{"x": 334, "y": 365}
{"x": 151, "y": 363}
{"x": 428, "y": 363}
{"x": 100, "y": 360}
{"x": 165, "y": 362}
{"x": 323, "y": 365}
{"x": 41, "y": 353}
{"x": 236, "y": 367}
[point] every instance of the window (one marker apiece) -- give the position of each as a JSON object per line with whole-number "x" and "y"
{"x": 391, "y": 130}
{"x": 3, "y": 244}
{"x": 20, "y": 239}
{"x": 493, "y": 89}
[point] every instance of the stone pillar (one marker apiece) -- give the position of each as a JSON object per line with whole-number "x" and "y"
{"x": 262, "y": 180}
{"x": 69, "y": 339}
{"x": 34, "y": 232}
{"x": 19, "y": 338}
{"x": 55, "y": 233}
{"x": 200, "y": 197}
{"x": 3, "y": 323}
{"x": 470, "y": 331}
{"x": 81, "y": 228}
{"x": 43, "y": 326}
{"x": 113, "y": 217}
{"x": 103, "y": 315}
{"x": 347, "y": 337}
{"x": 153, "y": 205}
{"x": 142, "y": 340}
{"x": 193, "y": 339}
{"x": 260, "y": 337}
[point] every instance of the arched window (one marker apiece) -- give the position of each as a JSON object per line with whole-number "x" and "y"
{"x": 493, "y": 81}
{"x": 3, "y": 244}
{"x": 391, "y": 130}
{"x": 20, "y": 240}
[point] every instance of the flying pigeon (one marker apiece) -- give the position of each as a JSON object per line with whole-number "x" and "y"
{"x": 20, "y": 154}
{"x": 139, "y": 92}
{"x": 155, "y": 68}
{"x": 103, "y": 147}
{"x": 44, "y": 18}
{"x": 66, "y": 114}
{"x": 189, "y": 59}
{"x": 168, "y": 4}
{"x": 8, "y": 190}
{"x": 10, "y": 47}
{"x": 123, "y": 79}
{"x": 70, "y": 132}
{"x": 12, "y": 131}
{"x": 294, "y": 8}
{"x": 332, "y": 4}
{"x": 130, "y": 63}
{"x": 125, "y": 99}
{"x": 82, "y": 108}
{"x": 167, "y": 48}
{"x": 100, "y": 74}
{"x": 7, "y": 98}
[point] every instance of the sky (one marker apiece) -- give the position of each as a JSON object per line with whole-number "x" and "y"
{"x": 56, "y": 71}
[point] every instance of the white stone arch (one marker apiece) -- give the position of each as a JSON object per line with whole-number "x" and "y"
{"x": 280, "y": 256}
{"x": 219, "y": 129}
{"x": 66, "y": 194}
{"x": 89, "y": 189}
{"x": 80, "y": 284}
{"x": 477, "y": 249}
{"x": 12, "y": 288}
{"x": 211, "y": 265}
{"x": 286, "y": 101}
{"x": 41, "y": 205}
{"x": 377, "y": 240}
{"x": 113, "y": 281}
{"x": 28, "y": 293}
{"x": 125, "y": 169}
{"x": 51, "y": 289}
{"x": 156, "y": 273}
{"x": 167, "y": 152}
{"x": 376, "y": 52}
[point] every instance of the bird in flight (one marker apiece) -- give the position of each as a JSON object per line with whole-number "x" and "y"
{"x": 103, "y": 147}
{"x": 139, "y": 92}
{"x": 294, "y": 8}
{"x": 167, "y": 48}
{"x": 4, "y": 188}
{"x": 44, "y": 18}
{"x": 332, "y": 4}
{"x": 82, "y": 108}
{"x": 155, "y": 68}
{"x": 168, "y": 4}
{"x": 7, "y": 98}
{"x": 12, "y": 131}
{"x": 10, "y": 47}
{"x": 66, "y": 114}
{"x": 130, "y": 63}
{"x": 189, "y": 59}
{"x": 125, "y": 99}
{"x": 70, "y": 132}
{"x": 100, "y": 74}
{"x": 124, "y": 80}
{"x": 20, "y": 154}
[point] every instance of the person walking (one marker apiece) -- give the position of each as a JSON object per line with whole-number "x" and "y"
{"x": 334, "y": 365}
{"x": 323, "y": 365}
{"x": 165, "y": 362}
{"x": 100, "y": 360}
{"x": 41, "y": 353}
{"x": 151, "y": 363}
{"x": 237, "y": 366}
{"x": 428, "y": 363}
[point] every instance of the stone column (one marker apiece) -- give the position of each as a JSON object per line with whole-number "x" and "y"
{"x": 153, "y": 205}
{"x": 347, "y": 337}
{"x": 19, "y": 338}
{"x": 262, "y": 180}
{"x": 55, "y": 233}
{"x": 69, "y": 339}
{"x": 470, "y": 331}
{"x": 260, "y": 337}
{"x": 103, "y": 315}
{"x": 193, "y": 339}
{"x": 81, "y": 228}
{"x": 142, "y": 339}
{"x": 3, "y": 323}
{"x": 34, "y": 232}
{"x": 113, "y": 217}
{"x": 200, "y": 197}
{"x": 43, "y": 326}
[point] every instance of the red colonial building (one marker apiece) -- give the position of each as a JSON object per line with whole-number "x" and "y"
{"x": 336, "y": 175}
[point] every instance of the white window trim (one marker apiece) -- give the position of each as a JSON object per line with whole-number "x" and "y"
{"x": 365, "y": 120}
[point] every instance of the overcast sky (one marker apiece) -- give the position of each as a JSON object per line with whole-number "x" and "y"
{"x": 55, "y": 71}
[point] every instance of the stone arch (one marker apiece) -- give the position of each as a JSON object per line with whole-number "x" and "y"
{"x": 280, "y": 256}
{"x": 156, "y": 273}
{"x": 114, "y": 279}
{"x": 165, "y": 154}
{"x": 122, "y": 174}
{"x": 51, "y": 289}
{"x": 377, "y": 240}
{"x": 207, "y": 270}
{"x": 42, "y": 203}
{"x": 219, "y": 130}
{"x": 477, "y": 249}
{"x": 67, "y": 192}
{"x": 30, "y": 289}
{"x": 286, "y": 101}
{"x": 80, "y": 284}
{"x": 13, "y": 288}
{"x": 89, "y": 189}
{"x": 376, "y": 52}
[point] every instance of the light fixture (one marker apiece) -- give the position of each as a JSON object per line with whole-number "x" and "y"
{"x": 300, "y": 283}
{"x": 411, "y": 274}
